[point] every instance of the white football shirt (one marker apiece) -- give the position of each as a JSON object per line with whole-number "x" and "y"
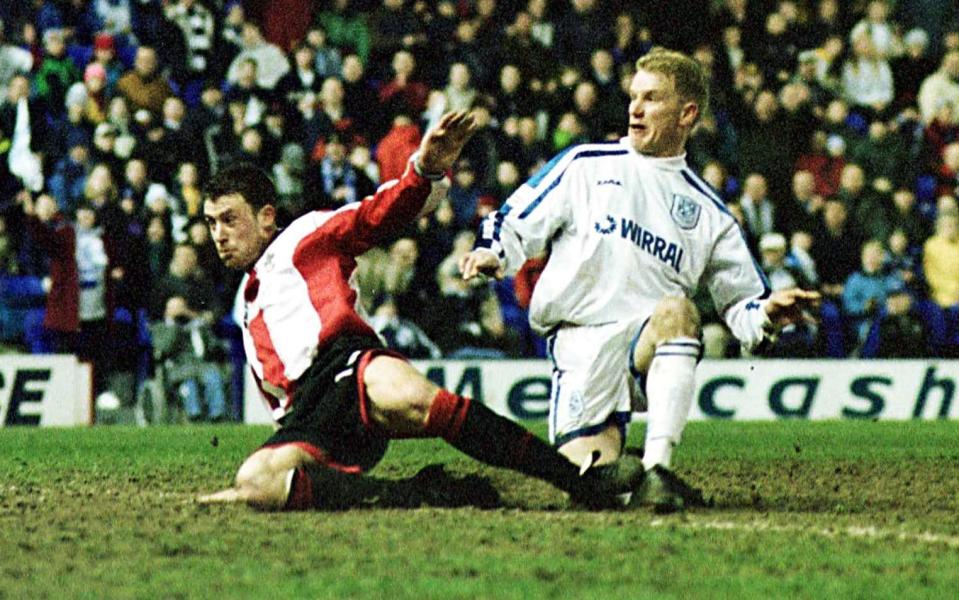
{"x": 623, "y": 231}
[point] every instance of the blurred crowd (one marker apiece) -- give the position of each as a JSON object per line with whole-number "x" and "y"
{"x": 832, "y": 135}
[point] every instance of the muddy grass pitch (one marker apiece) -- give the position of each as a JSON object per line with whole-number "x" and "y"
{"x": 836, "y": 509}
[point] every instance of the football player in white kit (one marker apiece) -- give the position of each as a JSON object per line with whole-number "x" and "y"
{"x": 632, "y": 232}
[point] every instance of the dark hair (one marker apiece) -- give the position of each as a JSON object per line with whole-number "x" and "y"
{"x": 245, "y": 179}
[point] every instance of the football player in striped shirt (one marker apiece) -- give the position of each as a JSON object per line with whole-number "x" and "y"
{"x": 337, "y": 395}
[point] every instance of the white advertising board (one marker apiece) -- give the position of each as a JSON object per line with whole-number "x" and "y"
{"x": 47, "y": 390}
{"x": 727, "y": 389}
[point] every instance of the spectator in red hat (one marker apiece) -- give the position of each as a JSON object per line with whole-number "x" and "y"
{"x": 105, "y": 55}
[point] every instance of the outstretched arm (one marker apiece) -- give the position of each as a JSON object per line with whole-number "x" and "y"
{"x": 397, "y": 203}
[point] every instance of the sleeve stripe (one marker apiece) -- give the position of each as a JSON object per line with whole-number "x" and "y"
{"x": 538, "y": 178}
{"x": 691, "y": 179}
{"x": 705, "y": 190}
{"x": 540, "y": 175}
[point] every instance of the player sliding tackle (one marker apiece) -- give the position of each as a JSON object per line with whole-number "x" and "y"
{"x": 632, "y": 232}
{"x": 336, "y": 394}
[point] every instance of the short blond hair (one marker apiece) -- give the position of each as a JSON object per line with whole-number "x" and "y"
{"x": 688, "y": 75}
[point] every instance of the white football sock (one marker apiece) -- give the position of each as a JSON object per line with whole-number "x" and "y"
{"x": 670, "y": 386}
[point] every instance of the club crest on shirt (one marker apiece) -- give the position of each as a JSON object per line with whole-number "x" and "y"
{"x": 685, "y": 211}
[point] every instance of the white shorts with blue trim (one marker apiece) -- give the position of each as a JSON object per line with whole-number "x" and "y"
{"x": 594, "y": 384}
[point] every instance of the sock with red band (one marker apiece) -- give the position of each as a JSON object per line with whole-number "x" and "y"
{"x": 318, "y": 486}
{"x": 480, "y": 433}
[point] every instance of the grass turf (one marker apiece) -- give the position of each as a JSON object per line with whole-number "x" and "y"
{"x": 828, "y": 509}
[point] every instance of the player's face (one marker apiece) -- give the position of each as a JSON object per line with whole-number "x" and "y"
{"x": 659, "y": 120}
{"x": 240, "y": 235}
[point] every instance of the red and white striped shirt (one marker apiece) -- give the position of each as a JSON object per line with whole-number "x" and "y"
{"x": 297, "y": 297}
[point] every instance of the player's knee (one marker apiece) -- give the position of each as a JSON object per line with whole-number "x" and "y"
{"x": 399, "y": 396}
{"x": 413, "y": 397}
{"x": 675, "y": 316}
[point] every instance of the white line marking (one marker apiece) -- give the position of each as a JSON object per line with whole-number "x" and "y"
{"x": 861, "y": 532}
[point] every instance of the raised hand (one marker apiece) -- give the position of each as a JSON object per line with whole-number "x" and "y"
{"x": 442, "y": 145}
{"x": 792, "y": 306}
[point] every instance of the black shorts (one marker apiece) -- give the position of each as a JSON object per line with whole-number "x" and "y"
{"x": 329, "y": 417}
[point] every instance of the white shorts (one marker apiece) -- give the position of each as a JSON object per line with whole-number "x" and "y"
{"x": 594, "y": 382}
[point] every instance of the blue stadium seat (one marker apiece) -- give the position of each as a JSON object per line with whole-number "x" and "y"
{"x": 22, "y": 291}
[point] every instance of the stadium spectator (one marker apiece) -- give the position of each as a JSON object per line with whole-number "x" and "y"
{"x": 906, "y": 216}
{"x": 105, "y": 55}
{"x": 393, "y": 29}
{"x": 801, "y": 209}
{"x": 246, "y": 90}
{"x": 911, "y": 68}
{"x": 339, "y": 181}
{"x": 883, "y": 34}
{"x": 940, "y": 261}
{"x": 24, "y": 136}
{"x": 472, "y": 324}
{"x": 328, "y": 60}
{"x": 144, "y": 86}
{"x": 581, "y": 30}
{"x": 776, "y": 53}
{"x": 103, "y": 149}
{"x": 302, "y": 83}
{"x": 864, "y": 292}
{"x": 70, "y": 173}
{"x": 800, "y": 246}
{"x": 401, "y": 334}
{"x": 806, "y": 74}
{"x": 758, "y": 209}
{"x": 883, "y": 154}
{"x": 867, "y": 81}
{"x": 459, "y": 92}
{"x": 300, "y": 466}
{"x": 652, "y": 322}
{"x": 56, "y": 72}
{"x": 362, "y": 100}
{"x": 899, "y": 330}
{"x": 835, "y": 249}
{"x": 185, "y": 279}
{"x": 403, "y": 93}
{"x": 159, "y": 247}
{"x": 198, "y": 26}
{"x": 941, "y": 87}
{"x": 762, "y": 146}
{"x": 528, "y": 54}
{"x": 57, "y": 239}
{"x": 271, "y": 62}
{"x": 346, "y": 28}
{"x": 13, "y": 60}
{"x": 184, "y": 344}
{"x": 795, "y": 339}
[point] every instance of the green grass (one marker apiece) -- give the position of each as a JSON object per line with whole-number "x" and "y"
{"x": 811, "y": 510}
